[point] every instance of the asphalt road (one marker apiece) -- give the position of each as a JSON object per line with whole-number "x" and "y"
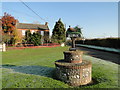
{"x": 112, "y": 57}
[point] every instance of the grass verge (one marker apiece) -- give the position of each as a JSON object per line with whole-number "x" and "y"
{"x": 34, "y": 68}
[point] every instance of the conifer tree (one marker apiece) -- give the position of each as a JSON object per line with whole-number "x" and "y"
{"x": 36, "y": 39}
{"x": 58, "y": 34}
{"x": 28, "y": 36}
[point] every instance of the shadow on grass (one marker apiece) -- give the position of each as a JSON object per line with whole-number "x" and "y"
{"x": 34, "y": 70}
{"x": 41, "y": 71}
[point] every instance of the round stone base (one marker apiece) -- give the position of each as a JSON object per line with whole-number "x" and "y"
{"x": 74, "y": 74}
{"x": 73, "y": 56}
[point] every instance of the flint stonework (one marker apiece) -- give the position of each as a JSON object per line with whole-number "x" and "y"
{"x": 72, "y": 73}
{"x": 73, "y": 56}
{"x": 73, "y": 70}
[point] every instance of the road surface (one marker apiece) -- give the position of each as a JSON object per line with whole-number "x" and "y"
{"x": 115, "y": 58}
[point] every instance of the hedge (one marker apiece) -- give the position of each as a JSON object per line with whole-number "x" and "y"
{"x": 104, "y": 42}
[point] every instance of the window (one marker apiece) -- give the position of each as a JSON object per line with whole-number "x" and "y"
{"x": 32, "y": 31}
{"x": 23, "y": 32}
{"x": 42, "y": 33}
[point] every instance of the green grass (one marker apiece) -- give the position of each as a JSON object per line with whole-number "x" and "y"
{"x": 34, "y": 68}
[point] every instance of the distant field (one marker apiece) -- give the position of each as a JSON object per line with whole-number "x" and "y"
{"x": 34, "y": 68}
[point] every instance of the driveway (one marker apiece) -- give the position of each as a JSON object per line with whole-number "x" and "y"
{"x": 115, "y": 58}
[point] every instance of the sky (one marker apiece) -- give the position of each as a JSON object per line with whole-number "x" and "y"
{"x": 97, "y": 19}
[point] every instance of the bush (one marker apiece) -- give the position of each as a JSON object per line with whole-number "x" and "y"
{"x": 34, "y": 38}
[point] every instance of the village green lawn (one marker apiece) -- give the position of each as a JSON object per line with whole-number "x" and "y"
{"x": 34, "y": 68}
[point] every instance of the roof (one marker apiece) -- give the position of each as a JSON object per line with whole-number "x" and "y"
{"x": 32, "y": 26}
{"x": 71, "y": 29}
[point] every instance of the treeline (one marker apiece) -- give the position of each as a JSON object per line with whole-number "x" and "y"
{"x": 104, "y": 42}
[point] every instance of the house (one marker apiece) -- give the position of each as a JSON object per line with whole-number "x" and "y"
{"x": 42, "y": 29}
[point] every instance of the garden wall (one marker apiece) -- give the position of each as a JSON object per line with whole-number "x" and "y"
{"x": 12, "y": 48}
{"x": 104, "y": 42}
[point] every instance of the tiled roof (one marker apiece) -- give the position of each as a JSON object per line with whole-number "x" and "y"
{"x": 32, "y": 26}
{"x": 71, "y": 29}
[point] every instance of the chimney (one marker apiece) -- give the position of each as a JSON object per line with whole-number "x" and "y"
{"x": 17, "y": 22}
{"x": 46, "y": 23}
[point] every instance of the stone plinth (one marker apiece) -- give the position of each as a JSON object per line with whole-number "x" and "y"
{"x": 74, "y": 74}
{"x": 73, "y": 56}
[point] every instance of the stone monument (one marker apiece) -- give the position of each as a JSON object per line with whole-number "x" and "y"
{"x": 72, "y": 69}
